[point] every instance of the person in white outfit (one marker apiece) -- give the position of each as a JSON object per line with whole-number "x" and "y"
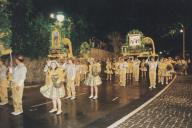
{"x": 19, "y": 76}
{"x": 152, "y": 72}
{"x": 70, "y": 70}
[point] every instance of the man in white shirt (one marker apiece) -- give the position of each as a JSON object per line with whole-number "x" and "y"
{"x": 19, "y": 76}
{"x": 70, "y": 70}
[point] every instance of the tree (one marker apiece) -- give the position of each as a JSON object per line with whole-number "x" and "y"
{"x": 31, "y": 29}
{"x": 21, "y": 20}
{"x": 80, "y": 31}
{"x": 39, "y": 41}
{"x": 115, "y": 39}
{"x": 5, "y": 24}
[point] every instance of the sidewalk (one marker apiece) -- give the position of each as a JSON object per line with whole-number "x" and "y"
{"x": 172, "y": 109}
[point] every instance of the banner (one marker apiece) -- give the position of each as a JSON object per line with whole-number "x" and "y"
{"x": 134, "y": 40}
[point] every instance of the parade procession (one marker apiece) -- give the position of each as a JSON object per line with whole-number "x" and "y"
{"x": 99, "y": 64}
{"x": 65, "y": 72}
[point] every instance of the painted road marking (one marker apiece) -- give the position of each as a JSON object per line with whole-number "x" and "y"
{"x": 37, "y": 105}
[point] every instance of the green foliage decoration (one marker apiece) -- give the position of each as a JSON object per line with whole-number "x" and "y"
{"x": 85, "y": 49}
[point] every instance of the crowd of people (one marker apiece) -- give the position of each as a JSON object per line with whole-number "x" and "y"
{"x": 70, "y": 72}
{"x": 62, "y": 76}
{"x": 158, "y": 70}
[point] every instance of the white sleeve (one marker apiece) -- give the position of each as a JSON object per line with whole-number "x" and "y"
{"x": 45, "y": 68}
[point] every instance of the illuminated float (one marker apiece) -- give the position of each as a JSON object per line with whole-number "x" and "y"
{"x": 61, "y": 47}
{"x": 138, "y": 45}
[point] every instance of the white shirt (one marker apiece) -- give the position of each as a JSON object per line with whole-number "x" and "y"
{"x": 64, "y": 66}
{"x": 19, "y": 74}
{"x": 70, "y": 71}
{"x": 152, "y": 65}
{"x": 136, "y": 63}
{"x": 123, "y": 65}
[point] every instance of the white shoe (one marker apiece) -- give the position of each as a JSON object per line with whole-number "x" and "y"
{"x": 150, "y": 87}
{"x": 58, "y": 112}
{"x": 90, "y": 97}
{"x": 95, "y": 97}
{"x": 16, "y": 113}
{"x": 72, "y": 98}
{"x": 52, "y": 110}
{"x": 3, "y": 103}
{"x": 68, "y": 97}
{"x": 13, "y": 113}
{"x": 154, "y": 87}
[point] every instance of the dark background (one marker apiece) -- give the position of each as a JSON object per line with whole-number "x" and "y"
{"x": 155, "y": 18}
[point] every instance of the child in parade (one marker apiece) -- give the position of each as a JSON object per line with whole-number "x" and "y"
{"x": 116, "y": 67}
{"x": 161, "y": 70}
{"x": 93, "y": 79}
{"x": 70, "y": 69}
{"x": 143, "y": 68}
{"x": 136, "y": 64}
{"x": 84, "y": 70}
{"x": 122, "y": 72}
{"x": 78, "y": 73}
{"x": 109, "y": 70}
{"x": 54, "y": 89}
{"x": 169, "y": 70}
{"x": 129, "y": 69}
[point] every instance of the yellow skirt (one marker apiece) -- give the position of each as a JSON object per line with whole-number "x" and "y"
{"x": 93, "y": 80}
{"x": 52, "y": 92}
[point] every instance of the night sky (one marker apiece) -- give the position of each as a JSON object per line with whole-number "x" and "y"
{"x": 152, "y": 17}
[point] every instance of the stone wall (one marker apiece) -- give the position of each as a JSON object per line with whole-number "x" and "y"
{"x": 35, "y": 74}
{"x": 101, "y": 54}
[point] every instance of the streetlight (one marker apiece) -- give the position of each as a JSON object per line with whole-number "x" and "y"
{"x": 58, "y": 16}
{"x": 52, "y": 16}
{"x": 183, "y": 32}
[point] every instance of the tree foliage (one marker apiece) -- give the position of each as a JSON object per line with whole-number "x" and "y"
{"x": 115, "y": 39}
{"x": 32, "y": 30}
{"x": 80, "y": 32}
{"x": 5, "y": 24}
{"x": 38, "y": 43}
{"x": 21, "y": 31}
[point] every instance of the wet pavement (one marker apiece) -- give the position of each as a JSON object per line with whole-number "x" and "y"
{"x": 172, "y": 109}
{"x": 114, "y": 102}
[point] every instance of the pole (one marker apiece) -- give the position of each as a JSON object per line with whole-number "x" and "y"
{"x": 183, "y": 42}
